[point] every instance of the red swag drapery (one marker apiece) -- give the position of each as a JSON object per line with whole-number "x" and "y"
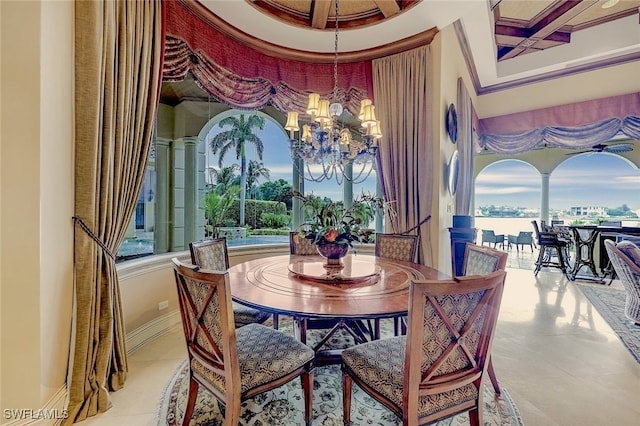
{"x": 245, "y": 78}
{"x": 570, "y": 115}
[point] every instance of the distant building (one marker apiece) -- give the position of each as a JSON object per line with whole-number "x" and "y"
{"x": 588, "y": 211}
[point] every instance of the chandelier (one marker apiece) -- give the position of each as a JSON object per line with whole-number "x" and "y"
{"x": 327, "y": 145}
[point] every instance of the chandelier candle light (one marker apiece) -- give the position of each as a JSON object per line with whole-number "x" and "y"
{"x": 326, "y": 143}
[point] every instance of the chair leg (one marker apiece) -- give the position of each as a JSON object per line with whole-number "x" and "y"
{"x": 539, "y": 261}
{"x": 307, "y": 389}
{"x": 475, "y": 416}
{"x": 492, "y": 377}
{"x": 191, "y": 402}
{"x": 276, "y": 321}
{"x": 346, "y": 398}
{"x": 562, "y": 262}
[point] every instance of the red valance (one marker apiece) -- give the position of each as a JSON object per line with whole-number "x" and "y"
{"x": 244, "y": 63}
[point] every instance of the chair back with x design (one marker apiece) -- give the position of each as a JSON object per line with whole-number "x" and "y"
{"x": 453, "y": 355}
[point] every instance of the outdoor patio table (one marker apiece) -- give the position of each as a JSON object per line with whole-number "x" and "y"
{"x": 585, "y": 238}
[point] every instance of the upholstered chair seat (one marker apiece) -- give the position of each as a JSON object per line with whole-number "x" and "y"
{"x": 280, "y": 354}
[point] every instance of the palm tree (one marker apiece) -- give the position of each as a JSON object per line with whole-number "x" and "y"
{"x": 222, "y": 180}
{"x": 255, "y": 171}
{"x": 240, "y": 133}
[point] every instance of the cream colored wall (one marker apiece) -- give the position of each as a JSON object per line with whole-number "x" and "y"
{"x": 1, "y": 204}
{"x": 57, "y": 183}
{"x": 20, "y": 216}
{"x": 449, "y": 65}
{"x": 37, "y": 198}
{"x": 610, "y": 81}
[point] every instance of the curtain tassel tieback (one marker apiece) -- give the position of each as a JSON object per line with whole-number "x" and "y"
{"x": 94, "y": 237}
{"x": 417, "y": 226}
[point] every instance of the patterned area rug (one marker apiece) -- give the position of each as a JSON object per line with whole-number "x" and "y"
{"x": 284, "y": 406}
{"x": 609, "y": 302}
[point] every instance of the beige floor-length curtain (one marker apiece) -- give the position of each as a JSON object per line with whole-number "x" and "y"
{"x": 402, "y": 99}
{"x": 465, "y": 150}
{"x": 118, "y": 57}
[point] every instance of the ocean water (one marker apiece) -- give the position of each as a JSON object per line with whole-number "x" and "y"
{"x": 504, "y": 225}
{"x": 513, "y": 225}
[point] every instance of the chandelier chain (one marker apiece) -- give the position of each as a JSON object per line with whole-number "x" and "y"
{"x": 335, "y": 58}
{"x": 327, "y": 145}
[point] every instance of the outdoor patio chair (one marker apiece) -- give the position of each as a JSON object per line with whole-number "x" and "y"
{"x": 233, "y": 364}
{"x": 625, "y": 258}
{"x": 551, "y": 246}
{"x": 489, "y": 236}
{"x": 212, "y": 254}
{"x": 434, "y": 373}
{"x": 523, "y": 238}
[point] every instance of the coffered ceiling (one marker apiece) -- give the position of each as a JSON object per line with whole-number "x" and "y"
{"x": 523, "y": 27}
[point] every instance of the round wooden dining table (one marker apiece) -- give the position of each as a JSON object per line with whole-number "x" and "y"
{"x": 367, "y": 287}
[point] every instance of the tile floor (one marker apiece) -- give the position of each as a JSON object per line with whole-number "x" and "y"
{"x": 559, "y": 360}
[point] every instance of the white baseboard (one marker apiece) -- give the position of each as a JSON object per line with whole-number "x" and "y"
{"x": 151, "y": 330}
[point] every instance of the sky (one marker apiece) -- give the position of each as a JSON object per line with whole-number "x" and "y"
{"x": 593, "y": 179}
{"x": 277, "y": 158}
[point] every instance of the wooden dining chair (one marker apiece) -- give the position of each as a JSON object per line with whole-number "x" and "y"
{"x": 480, "y": 260}
{"x": 213, "y": 254}
{"x": 233, "y": 364}
{"x": 301, "y": 246}
{"x": 395, "y": 247}
{"x": 438, "y": 369}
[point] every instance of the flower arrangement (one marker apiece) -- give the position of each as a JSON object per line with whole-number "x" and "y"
{"x": 330, "y": 222}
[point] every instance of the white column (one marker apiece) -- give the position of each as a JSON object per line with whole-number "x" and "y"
{"x": 190, "y": 190}
{"x": 544, "y": 198}
{"x": 297, "y": 215}
{"x": 347, "y": 186}
{"x": 379, "y": 215}
{"x": 161, "y": 231}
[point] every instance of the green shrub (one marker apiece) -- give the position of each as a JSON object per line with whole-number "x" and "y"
{"x": 275, "y": 221}
{"x": 253, "y": 210}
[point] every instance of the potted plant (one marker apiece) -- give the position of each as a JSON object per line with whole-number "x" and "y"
{"x": 332, "y": 227}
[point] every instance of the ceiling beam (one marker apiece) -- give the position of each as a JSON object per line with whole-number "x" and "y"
{"x": 388, "y": 8}
{"x": 320, "y": 13}
{"x": 546, "y": 26}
